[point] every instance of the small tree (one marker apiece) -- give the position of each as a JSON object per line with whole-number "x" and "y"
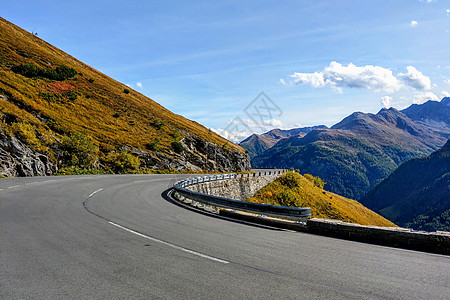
{"x": 126, "y": 91}
{"x": 319, "y": 182}
{"x": 177, "y": 147}
{"x": 154, "y": 146}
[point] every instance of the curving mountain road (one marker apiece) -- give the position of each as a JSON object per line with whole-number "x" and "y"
{"x": 117, "y": 237}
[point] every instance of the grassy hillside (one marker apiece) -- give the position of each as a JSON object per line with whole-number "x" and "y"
{"x": 293, "y": 189}
{"x": 417, "y": 194}
{"x": 46, "y": 94}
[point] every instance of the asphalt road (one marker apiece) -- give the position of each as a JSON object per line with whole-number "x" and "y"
{"x": 116, "y": 237}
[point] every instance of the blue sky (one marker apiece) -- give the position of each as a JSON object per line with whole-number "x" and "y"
{"x": 318, "y": 61}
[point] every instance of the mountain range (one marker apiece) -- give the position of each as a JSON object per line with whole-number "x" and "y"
{"x": 361, "y": 150}
{"x": 416, "y": 194}
{"x": 57, "y": 113}
{"x": 256, "y": 144}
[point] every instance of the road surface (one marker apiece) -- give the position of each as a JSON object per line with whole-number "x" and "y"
{"x": 117, "y": 237}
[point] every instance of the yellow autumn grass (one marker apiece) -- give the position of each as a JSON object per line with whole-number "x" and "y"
{"x": 293, "y": 189}
{"x": 103, "y": 109}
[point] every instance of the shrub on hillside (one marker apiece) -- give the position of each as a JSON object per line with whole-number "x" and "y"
{"x": 154, "y": 146}
{"x": 126, "y": 91}
{"x": 290, "y": 180}
{"x": 33, "y": 71}
{"x": 158, "y": 124}
{"x": 316, "y": 180}
{"x": 79, "y": 150}
{"x": 319, "y": 182}
{"x": 309, "y": 177}
{"x": 122, "y": 162}
{"x": 71, "y": 95}
{"x": 49, "y": 96}
{"x": 177, "y": 147}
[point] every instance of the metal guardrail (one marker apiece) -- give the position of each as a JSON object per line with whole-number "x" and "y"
{"x": 284, "y": 212}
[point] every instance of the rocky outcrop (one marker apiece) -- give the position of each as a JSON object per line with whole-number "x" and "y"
{"x": 198, "y": 155}
{"x": 210, "y": 156}
{"x": 16, "y": 159}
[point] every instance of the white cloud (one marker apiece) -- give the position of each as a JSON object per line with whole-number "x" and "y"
{"x": 445, "y": 94}
{"x": 139, "y": 84}
{"x": 413, "y": 23}
{"x": 128, "y": 85}
{"x": 447, "y": 81}
{"x": 448, "y": 11}
{"x": 274, "y": 123}
{"x": 386, "y": 101}
{"x": 415, "y": 79}
{"x": 282, "y": 81}
{"x": 337, "y": 76}
{"x": 424, "y": 97}
{"x": 234, "y": 136}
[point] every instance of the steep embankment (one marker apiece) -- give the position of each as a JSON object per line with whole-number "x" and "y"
{"x": 56, "y": 111}
{"x": 293, "y": 189}
{"x": 417, "y": 194}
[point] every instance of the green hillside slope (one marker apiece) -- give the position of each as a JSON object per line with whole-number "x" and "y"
{"x": 48, "y": 96}
{"x": 417, "y": 194}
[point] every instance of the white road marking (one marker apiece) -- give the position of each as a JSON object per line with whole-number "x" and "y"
{"x": 14, "y": 186}
{"x": 95, "y": 192}
{"x": 32, "y": 183}
{"x": 171, "y": 245}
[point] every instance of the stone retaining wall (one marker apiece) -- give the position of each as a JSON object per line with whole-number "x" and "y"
{"x": 240, "y": 188}
{"x": 247, "y": 185}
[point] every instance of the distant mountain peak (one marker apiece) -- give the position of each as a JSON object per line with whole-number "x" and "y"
{"x": 446, "y": 101}
{"x": 431, "y": 113}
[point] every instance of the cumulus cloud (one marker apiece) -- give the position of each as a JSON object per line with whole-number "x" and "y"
{"x": 234, "y": 136}
{"x": 413, "y": 23}
{"x": 274, "y": 123}
{"x": 139, "y": 84}
{"x": 239, "y": 129}
{"x": 448, "y": 11}
{"x": 424, "y": 97}
{"x": 445, "y": 94}
{"x": 386, "y": 101}
{"x": 337, "y": 76}
{"x": 415, "y": 79}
